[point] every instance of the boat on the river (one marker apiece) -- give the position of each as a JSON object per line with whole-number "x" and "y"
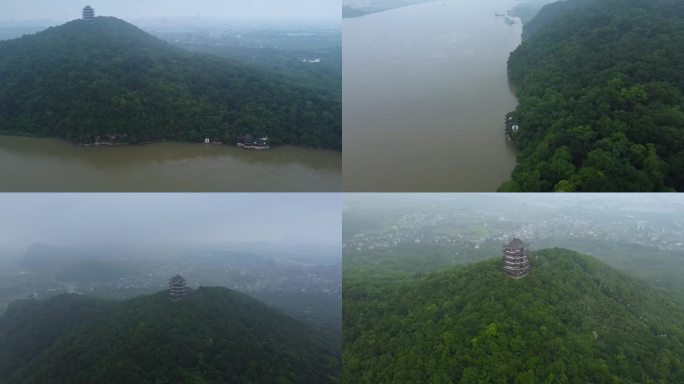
{"x": 248, "y": 142}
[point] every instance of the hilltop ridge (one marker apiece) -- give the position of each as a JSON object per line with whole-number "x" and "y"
{"x": 600, "y": 91}
{"x": 572, "y": 319}
{"x": 108, "y": 81}
{"x": 215, "y": 335}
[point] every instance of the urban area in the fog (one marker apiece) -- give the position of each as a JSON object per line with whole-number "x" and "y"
{"x": 284, "y": 251}
{"x": 301, "y": 38}
{"x": 372, "y": 222}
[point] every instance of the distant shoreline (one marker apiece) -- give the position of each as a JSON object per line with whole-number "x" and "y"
{"x": 350, "y": 12}
{"x": 104, "y": 144}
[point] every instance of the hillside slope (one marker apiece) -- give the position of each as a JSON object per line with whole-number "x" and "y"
{"x": 215, "y": 335}
{"x": 548, "y": 13}
{"x": 572, "y": 320}
{"x": 109, "y": 81}
{"x": 601, "y": 103}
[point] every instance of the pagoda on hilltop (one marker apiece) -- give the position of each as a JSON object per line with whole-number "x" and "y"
{"x": 515, "y": 261}
{"x": 177, "y": 288}
{"x": 88, "y": 13}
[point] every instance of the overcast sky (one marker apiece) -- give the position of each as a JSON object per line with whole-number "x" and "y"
{"x": 257, "y": 10}
{"x": 132, "y": 219}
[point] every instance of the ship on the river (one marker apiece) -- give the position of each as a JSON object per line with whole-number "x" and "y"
{"x": 248, "y": 142}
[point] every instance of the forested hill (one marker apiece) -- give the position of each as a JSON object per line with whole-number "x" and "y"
{"x": 215, "y": 335}
{"x": 108, "y": 80}
{"x": 550, "y": 12}
{"x": 601, "y": 104}
{"x": 572, "y": 320}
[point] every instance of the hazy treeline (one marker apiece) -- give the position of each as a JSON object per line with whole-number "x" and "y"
{"x": 108, "y": 81}
{"x": 600, "y": 89}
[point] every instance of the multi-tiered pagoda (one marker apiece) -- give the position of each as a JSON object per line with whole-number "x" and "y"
{"x": 88, "y": 13}
{"x": 515, "y": 262}
{"x": 177, "y": 288}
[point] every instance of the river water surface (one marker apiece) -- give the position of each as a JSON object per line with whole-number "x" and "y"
{"x": 33, "y": 164}
{"x": 425, "y": 92}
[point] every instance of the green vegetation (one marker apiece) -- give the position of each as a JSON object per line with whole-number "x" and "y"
{"x": 214, "y": 336}
{"x": 410, "y": 260}
{"x": 659, "y": 268}
{"x": 284, "y": 59}
{"x": 600, "y": 86}
{"x": 89, "y": 271}
{"x": 108, "y": 81}
{"x": 528, "y": 10}
{"x": 320, "y": 310}
{"x": 572, "y": 320}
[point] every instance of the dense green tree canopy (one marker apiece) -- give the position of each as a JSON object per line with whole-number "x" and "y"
{"x": 215, "y": 335}
{"x": 600, "y": 86}
{"x": 109, "y": 80}
{"x": 572, "y": 320}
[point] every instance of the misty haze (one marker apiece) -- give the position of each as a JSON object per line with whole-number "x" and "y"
{"x": 255, "y": 11}
{"x": 143, "y": 238}
{"x": 272, "y": 260}
{"x": 631, "y": 231}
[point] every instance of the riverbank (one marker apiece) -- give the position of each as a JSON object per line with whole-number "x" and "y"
{"x": 113, "y": 144}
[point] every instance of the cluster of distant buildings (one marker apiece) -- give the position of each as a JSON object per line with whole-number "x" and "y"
{"x": 250, "y": 277}
{"x": 471, "y": 231}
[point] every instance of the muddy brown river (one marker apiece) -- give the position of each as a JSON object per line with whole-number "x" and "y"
{"x": 33, "y": 164}
{"x": 425, "y": 92}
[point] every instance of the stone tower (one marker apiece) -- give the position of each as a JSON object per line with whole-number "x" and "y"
{"x": 88, "y": 13}
{"x": 177, "y": 288}
{"x": 514, "y": 261}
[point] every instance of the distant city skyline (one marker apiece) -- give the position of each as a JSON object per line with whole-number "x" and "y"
{"x": 237, "y": 10}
